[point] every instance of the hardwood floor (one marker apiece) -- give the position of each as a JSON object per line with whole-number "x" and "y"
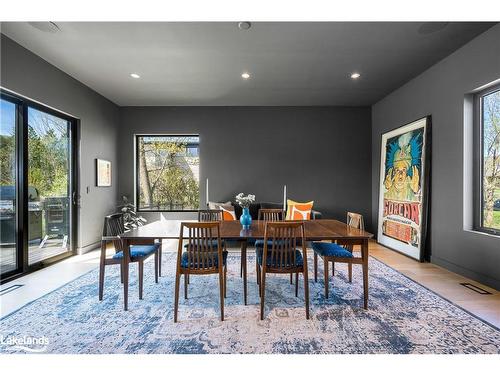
{"x": 443, "y": 282}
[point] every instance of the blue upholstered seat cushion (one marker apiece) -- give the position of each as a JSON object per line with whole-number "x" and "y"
{"x": 184, "y": 260}
{"x": 260, "y": 243}
{"x": 299, "y": 261}
{"x": 330, "y": 250}
{"x": 212, "y": 243}
{"x": 137, "y": 251}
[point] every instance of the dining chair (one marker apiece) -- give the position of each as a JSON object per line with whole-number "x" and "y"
{"x": 210, "y": 215}
{"x": 203, "y": 255}
{"x": 281, "y": 254}
{"x": 337, "y": 252}
{"x": 139, "y": 251}
{"x": 269, "y": 214}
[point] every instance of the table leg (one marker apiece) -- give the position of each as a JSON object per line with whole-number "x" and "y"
{"x": 244, "y": 264}
{"x": 364, "y": 252}
{"x": 125, "y": 261}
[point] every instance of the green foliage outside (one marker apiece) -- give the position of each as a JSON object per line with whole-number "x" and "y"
{"x": 47, "y": 156}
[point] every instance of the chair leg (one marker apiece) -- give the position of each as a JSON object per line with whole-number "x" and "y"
{"x": 157, "y": 265}
{"x": 296, "y": 284}
{"x": 333, "y": 268}
{"x": 365, "y": 285}
{"x": 186, "y": 281}
{"x": 225, "y": 282}
{"x": 291, "y": 278}
{"x": 262, "y": 293}
{"x": 257, "y": 273}
{"x": 140, "y": 265}
{"x": 221, "y": 291}
{"x": 349, "y": 267}
{"x": 260, "y": 279}
{"x": 160, "y": 251}
{"x": 325, "y": 272}
{"x": 315, "y": 267}
{"x": 176, "y": 298}
{"x": 306, "y": 292}
{"x": 102, "y": 266}
{"x": 121, "y": 272}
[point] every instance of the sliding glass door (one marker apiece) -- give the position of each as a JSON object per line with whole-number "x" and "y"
{"x": 49, "y": 183}
{"x": 38, "y": 184}
{"x": 9, "y": 256}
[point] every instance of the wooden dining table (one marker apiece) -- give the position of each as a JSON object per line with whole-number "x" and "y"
{"x": 314, "y": 230}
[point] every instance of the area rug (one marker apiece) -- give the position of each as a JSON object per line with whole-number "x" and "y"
{"x": 403, "y": 317}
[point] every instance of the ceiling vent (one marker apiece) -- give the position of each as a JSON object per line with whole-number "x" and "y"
{"x": 431, "y": 27}
{"x": 46, "y": 27}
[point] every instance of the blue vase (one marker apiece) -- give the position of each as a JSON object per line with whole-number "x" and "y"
{"x": 245, "y": 218}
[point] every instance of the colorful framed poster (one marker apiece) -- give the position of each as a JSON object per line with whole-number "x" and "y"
{"x": 404, "y": 188}
{"x": 103, "y": 172}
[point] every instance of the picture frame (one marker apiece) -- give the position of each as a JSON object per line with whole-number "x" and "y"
{"x": 103, "y": 173}
{"x": 404, "y": 189}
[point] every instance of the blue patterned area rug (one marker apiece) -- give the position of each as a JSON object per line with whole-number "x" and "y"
{"x": 403, "y": 317}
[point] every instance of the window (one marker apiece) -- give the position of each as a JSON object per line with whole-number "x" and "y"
{"x": 167, "y": 173}
{"x": 488, "y": 117}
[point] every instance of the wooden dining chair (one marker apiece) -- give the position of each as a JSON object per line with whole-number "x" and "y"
{"x": 210, "y": 215}
{"x": 340, "y": 252}
{"x": 138, "y": 252}
{"x": 281, "y": 254}
{"x": 203, "y": 255}
{"x": 269, "y": 214}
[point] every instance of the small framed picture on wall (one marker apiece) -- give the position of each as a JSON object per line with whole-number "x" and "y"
{"x": 103, "y": 172}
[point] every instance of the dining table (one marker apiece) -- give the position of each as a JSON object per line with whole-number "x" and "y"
{"x": 232, "y": 230}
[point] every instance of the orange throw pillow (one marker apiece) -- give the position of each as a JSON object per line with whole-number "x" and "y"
{"x": 298, "y": 210}
{"x": 227, "y": 211}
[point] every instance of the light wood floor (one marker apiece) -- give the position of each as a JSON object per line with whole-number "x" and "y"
{"x": 444, "y": 283}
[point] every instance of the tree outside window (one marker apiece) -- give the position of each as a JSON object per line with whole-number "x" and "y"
{"x": 168, "y": 173}
{"x": 490, "y": 125}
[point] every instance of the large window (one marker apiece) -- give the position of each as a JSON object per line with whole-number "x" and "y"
{"x": 488, "y": 116}
{"x": 167, "y": 172}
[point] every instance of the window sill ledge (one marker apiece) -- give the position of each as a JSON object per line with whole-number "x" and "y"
{"x": 497, "y": 236}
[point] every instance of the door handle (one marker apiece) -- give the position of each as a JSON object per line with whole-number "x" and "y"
{"x": 76, "y": 199}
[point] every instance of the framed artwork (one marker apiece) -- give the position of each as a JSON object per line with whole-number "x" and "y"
{"x": 404, "y": 188}
{"x": 103, "y": 172}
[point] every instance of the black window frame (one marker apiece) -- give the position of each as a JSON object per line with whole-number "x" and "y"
{"x": 136, "y": 164}
{"x": 478, "y": 107}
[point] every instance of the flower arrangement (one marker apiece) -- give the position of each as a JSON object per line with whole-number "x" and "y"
{"x": 245, "y": 201}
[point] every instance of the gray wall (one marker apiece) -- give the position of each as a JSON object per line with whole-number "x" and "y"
{"x": 440, "y": 92}
{"x": 27, "y": 74}
{"x": 320, "y": 153}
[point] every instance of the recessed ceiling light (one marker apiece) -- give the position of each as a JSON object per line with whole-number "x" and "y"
{"x": 244, "y": 25}
{"x": 355, "y": 75}
{"x": 135, "y": 75}
{"x": 245, "y": 75}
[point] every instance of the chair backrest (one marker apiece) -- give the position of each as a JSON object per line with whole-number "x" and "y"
{"x": 271, "y": 214}
{"x": 210, "y": 215}
{"x": 203, "y": 245}
{"x": 355, "y": 220}
{"x": 114, "y": 226}
{"x": 281, "y": 240}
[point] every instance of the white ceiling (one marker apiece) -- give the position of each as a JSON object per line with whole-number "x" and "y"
{"x": 291, "y": 64}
